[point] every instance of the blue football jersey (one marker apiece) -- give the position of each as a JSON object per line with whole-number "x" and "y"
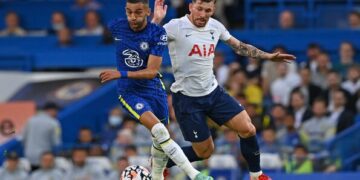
{"x": 133, "y": 50}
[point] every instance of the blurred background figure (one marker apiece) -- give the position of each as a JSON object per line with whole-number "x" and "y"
{"x": 121, "y": 164}
{"x": 58, "y": 22}
{"x": 287, "y": 20}
{"x": 299, "y": 163}
{"x": 39, "y": 140}
{"x": 47, "y": 168}
{"x": 82, "y": 169}
{"x": 11, "y": 169}
{"x": 13, "y": 27}
{"x": 354, "y": 20}
{"x": 64, "y": 38}
{"x": 93, "y": 25}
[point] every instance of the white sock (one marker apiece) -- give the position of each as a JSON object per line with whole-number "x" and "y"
{"x": 173, "y": 150}
{"x": 176, "y": 154}
{"x": 158, "y": 160}
{"x": 255, "y": 175}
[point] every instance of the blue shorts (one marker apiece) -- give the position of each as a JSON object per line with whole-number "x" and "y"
{"x": 191, "y": 112}
{"x": 137, "y": 104}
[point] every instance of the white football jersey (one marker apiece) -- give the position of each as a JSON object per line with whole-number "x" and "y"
{"x": 192, "y": 51}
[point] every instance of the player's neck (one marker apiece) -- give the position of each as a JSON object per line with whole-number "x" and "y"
{"x": 141, "y": 28}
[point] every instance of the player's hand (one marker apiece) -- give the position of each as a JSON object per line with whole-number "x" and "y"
{"x": 280, "y": 57}
{"x": 159, "y": 11}
{"x": 109, "y": 75}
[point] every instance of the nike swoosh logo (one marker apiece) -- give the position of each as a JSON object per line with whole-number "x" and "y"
{"x": 117, "y": 39}
{"x": 187, "y": 35}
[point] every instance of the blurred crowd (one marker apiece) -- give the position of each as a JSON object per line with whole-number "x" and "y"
{"x": 297, "y": 108}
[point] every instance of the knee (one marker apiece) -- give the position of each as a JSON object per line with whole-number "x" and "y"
{"x": 206, "y": 151}
{"x": 160, "y": 133}
{"x": 249, "y": 131}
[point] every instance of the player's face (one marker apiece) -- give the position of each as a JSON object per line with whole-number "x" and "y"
{"x": 137, "y": 14}
{"x": 200, "y": 12}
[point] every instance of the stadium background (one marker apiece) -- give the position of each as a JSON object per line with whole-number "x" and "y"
{"x": 40, "y": 64}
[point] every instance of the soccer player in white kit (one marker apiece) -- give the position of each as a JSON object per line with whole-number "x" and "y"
{"x": 196, "y": 94}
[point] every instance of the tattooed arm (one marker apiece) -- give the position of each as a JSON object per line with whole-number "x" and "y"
{"x": 248, "y": 50}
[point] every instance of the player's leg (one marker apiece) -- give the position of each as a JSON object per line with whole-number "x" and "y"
{"x": 190, "y": 114}
{"x": 227, "y": 111}
{"x": 143, "y": 112}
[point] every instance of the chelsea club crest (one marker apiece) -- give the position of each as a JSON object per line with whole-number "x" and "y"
{"x": 144, "y": 46}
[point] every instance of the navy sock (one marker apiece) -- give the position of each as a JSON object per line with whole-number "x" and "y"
{"x": 250, "y": 151}
{"x": 190, "y": 154}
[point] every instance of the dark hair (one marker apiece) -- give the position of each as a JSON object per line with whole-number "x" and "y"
{"x": 301, "y": 146}
{"x": 320, "y": 99}
{"x": 51, "y": 105}
{"x": 47, "y": 153}
{"x": 356, "y": 13}
{"x": 122, "y": 158}
{"x": 314, "y": 46}
{"x": 138, "y": 1}
{"x": 207, "y": 1}
{"x": 80, "y": 148}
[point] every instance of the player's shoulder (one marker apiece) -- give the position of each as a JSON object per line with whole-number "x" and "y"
{"x": 174, "y": 22}
{"x": 117, "y": 23}
{"x": 215, "y": 23}
{"x": 156, "y": 28}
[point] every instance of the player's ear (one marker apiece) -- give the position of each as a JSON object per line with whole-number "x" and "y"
{"x": 148, "y": 13}
{"x": 191, "y": 5}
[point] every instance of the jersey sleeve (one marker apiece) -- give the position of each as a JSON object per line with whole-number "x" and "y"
{"x": 171, "y": 29}
{"x": 159, "y": 42}
{"x": 224, "y": 33}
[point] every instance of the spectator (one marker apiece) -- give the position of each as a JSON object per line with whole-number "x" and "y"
{"x": 130, "y": 151}
{"x": 93, "y": 25}
{"x": 58, "y": 22}
{"x": 11, "y": 169}
{"x": 347, "y": 58}
{"x": 13, "y": 27}
{"x": 286, "y": 20}
{"x": 254, "y": 93}
{"x": 47, "y": 169}
{"x": 323, "y": 67}
{"x": 300, "y": 163}
{"x": 318, "y": 129}
{"x": 269, "y": 70}
{"x": 86, "y": 5}
{"x": 287, "y": 136}
{"x": 313, "y": 52}
{"x": 340, "y": 116}
{"x": 299, "y": 108}
{"x": 64, "y": 37}
{"x": 221, "y": 69}
{"x": 278, "y": 114}
{"x": 121, "y": 164}
{"x": 228, "y": 143}
{"x": 309, "y": 90}
{"x": 7, "y": 130}
{"x": 39, "y": 140}
{"x": 282, "y": 86}
{"x": 260, "y": 122}
{"x": 237, "y": 82}
{"x": 83, "y": 169}
{"x": 333, "y": 81}
{"x": 354, "y": 20}
{"x": 268, "y": 142}
{"x": 86, "y": 137}
{"x": 352, "y": 84}
{"x": 124, "y": 138}
{"x": 113, "y": 125}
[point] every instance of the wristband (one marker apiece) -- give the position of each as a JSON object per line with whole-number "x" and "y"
{"x": 124, "y": 74}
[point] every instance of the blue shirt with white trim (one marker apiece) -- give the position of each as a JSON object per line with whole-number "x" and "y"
{"x": 133, "y": 50}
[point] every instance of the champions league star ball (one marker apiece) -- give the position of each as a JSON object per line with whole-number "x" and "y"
{"x": 135, "y": 173}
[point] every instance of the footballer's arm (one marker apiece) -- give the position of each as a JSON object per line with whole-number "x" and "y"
{"x": 248, "y": 50}
{"x": 151, "y": 71}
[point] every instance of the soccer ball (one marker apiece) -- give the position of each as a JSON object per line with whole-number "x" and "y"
{"x": 135, "y": 173}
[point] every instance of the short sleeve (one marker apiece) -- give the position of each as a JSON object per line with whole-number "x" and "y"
{"x": 159, "y": 42}
{"x": 172, "y": 29}
{"x": 224, "y": 33}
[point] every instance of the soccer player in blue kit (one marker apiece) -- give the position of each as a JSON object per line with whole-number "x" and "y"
{"x": 139, "y": 48}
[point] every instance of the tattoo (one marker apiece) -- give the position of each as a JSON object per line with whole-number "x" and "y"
{"x": 247, "y": 50}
